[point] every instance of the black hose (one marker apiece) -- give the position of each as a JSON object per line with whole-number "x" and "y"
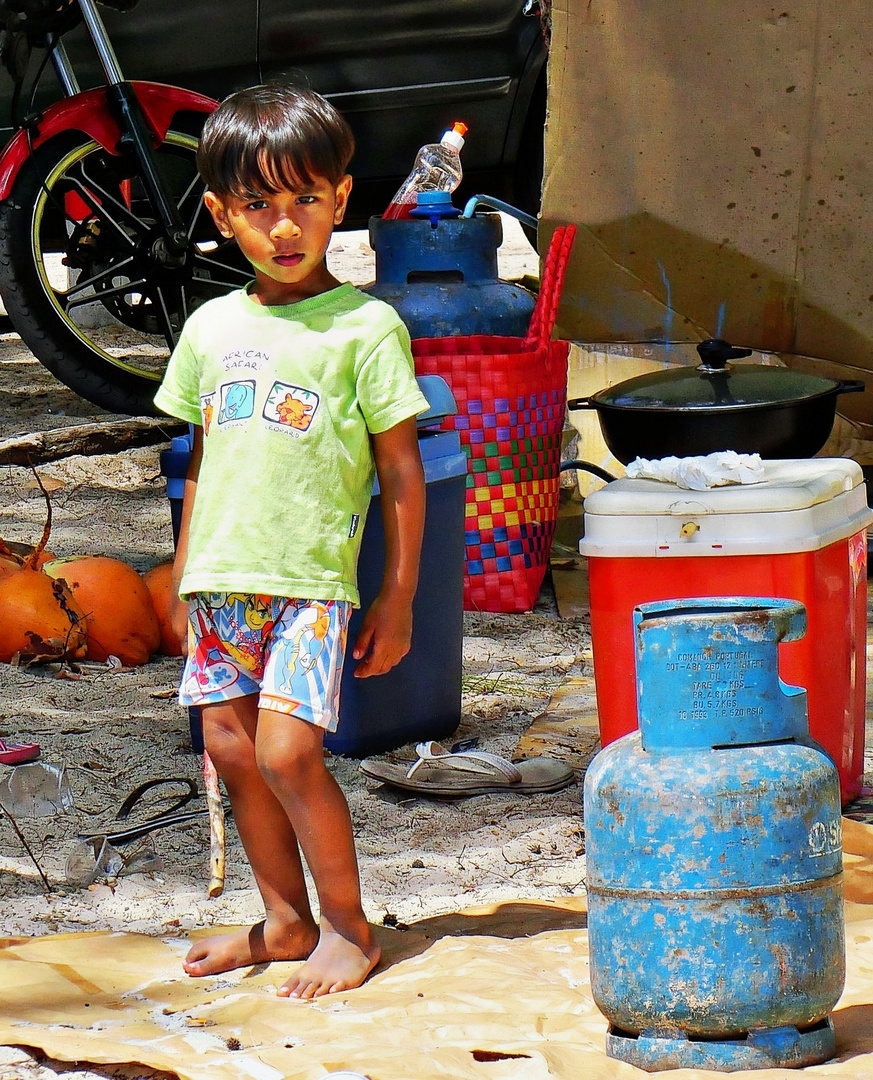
{"x": 587, "y": 466}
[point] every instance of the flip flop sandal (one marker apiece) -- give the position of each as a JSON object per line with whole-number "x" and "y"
{"x": 469, "y": 772}
{"x": 96, "y": 855}
{"x": 12, "y": 753}
{"x": 174, "y": 815}
{"x": 17, "y": 753}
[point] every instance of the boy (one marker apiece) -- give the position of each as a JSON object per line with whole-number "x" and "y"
{"x": 297, "y": 386}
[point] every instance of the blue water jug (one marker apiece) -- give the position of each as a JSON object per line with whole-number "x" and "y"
{"x": 713, "y": 845}
{"x": 438, "y": 269}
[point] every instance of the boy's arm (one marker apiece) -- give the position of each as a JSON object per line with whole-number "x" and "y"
{"x": 386, "y": 629}
{"x": 179, "y": 610}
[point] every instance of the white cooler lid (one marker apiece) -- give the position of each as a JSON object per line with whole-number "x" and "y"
{"x": 800, "y": 505}
{"x": 787, "y": 485}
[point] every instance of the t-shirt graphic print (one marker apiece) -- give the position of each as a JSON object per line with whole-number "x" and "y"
{"x": 291, "y": 407}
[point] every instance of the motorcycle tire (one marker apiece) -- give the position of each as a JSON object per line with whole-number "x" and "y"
{"x": 85, "y": 277}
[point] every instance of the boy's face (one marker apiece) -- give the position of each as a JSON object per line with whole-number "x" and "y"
{"x": 285, "y": 236}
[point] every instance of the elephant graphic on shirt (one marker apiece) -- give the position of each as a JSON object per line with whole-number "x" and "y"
{"x": 237, "y": 401}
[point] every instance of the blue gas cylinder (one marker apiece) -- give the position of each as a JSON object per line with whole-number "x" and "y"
{"x": 713, "y": 846}
{"x": 439, "y": 271}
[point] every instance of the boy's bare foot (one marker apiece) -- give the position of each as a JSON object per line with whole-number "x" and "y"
{"x": 338, "y": 963}
{"x": 265, "y": 941}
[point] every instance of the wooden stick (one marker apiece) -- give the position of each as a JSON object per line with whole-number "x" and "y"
{"x": 216, "y": 827}
{"x": 107, "y": 437}
{"x": 27, "y": 847}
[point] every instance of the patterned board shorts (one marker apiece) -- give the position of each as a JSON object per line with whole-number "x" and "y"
{"x": 289, "y": 652}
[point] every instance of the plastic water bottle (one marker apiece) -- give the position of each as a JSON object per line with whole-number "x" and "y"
{"x": 437, "y": 168}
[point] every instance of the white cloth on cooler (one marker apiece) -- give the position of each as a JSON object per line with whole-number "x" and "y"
{"x": 703, "y": 472}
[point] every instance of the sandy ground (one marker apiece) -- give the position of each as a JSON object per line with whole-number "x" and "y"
{"x": 110, "y": 730}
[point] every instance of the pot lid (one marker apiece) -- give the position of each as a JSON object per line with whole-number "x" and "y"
{"x": 716, "y": 384}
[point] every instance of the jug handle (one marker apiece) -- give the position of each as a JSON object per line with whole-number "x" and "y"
{"x": 545, "y": 312}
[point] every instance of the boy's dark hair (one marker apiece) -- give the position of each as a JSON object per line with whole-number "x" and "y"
{"x": 266, "y": 138}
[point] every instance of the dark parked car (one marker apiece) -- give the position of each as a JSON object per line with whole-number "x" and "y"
{"x": 400, "y": 71}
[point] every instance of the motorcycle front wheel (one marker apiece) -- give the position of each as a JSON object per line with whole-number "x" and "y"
{"x": 86, "y": 276}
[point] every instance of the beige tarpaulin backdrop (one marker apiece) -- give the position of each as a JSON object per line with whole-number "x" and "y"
{"x": 501, "y": 994}
{"x": 717, "y": 160}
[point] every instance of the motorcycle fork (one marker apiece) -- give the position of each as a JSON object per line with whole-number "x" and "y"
{"x": 136, "y": 138}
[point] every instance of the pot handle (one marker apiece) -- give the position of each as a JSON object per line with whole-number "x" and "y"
{"x": 851, "y": 386}
{"x": 580, "y": 403}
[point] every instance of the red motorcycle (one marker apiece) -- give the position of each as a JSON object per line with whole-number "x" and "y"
{"x": 105, "y": 244}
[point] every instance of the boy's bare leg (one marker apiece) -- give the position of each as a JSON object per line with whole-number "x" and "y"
{"x": 289, "y": 931}
{"x": 291, "y": 757}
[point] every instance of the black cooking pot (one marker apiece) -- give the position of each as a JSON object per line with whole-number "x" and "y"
{"x": 749, "y": 408}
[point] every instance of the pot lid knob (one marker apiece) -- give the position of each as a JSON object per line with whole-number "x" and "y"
{"x": 715, "y": 353}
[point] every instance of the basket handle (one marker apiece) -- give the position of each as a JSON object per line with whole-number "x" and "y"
{"x": 545, "y": 312}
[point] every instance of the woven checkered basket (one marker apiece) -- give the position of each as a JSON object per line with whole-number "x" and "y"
{"x": 511, "y": 395}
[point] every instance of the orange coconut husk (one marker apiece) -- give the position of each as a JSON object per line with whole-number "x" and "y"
{"x": 159, "y": 581}
{"x": 39, "y": 619}
{"x": 14, "y": 554}
{"x": 121, "y": 616}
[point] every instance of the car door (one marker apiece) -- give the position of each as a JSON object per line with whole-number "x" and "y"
{"x": 401, "y": 71}
{"x": 209, "y": 47}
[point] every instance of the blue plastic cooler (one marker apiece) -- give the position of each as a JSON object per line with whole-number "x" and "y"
{"x": 421, "y": 697}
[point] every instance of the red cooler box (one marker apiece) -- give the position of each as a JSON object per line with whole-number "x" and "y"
{"x": 801, "y": 533}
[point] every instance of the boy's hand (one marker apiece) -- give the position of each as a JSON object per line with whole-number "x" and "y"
{"x": 386, "y": 630}
{"x": 384, "y": 638}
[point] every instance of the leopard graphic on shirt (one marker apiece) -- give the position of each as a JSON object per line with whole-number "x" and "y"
{"x": 290, "y": 406}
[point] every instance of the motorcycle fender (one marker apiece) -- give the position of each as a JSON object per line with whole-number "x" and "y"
{"x": 90, "y": 113}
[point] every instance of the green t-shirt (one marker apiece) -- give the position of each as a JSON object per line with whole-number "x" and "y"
{"x": 287, "y": 398}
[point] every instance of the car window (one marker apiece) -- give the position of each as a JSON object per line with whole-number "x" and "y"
{"x": 402, "y": 71}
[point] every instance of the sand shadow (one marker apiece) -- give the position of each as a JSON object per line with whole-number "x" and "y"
{"x": 508, "y": 921}
{"x": 854, "y": 1031}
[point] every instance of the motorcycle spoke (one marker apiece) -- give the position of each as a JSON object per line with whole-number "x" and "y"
{"x": 232, "y": 277}
{"x": 198, "y": 206}
{"x": 94, "y": 280}
{"x": 97, "y": 203}
{"x": 104, "y": 294}
{"x": 171, "y": 336}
